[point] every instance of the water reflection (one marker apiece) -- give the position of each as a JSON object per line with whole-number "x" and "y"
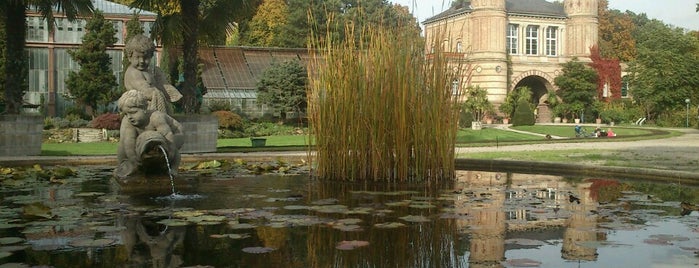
{"x": 484, "y": 219}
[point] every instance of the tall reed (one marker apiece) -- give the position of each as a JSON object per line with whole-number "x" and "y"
{"x": 380, "y": 110}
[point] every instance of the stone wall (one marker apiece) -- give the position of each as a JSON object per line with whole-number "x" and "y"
{"x": 200, "y": 131}
{"x": 20, "y": 135}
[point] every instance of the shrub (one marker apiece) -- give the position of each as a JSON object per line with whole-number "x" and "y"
{"x": 229, "y": 120}
{"x": 49, "y": 123}
{"x": 219, "y": 105}
{"x": 107, "y": 120}
{"x": 465, "y": 119}
{"x": 523, "y": 116}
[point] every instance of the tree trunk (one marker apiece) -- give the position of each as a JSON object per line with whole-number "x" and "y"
{"x": 15, "y": 57}
{"x": 190, "y": 46}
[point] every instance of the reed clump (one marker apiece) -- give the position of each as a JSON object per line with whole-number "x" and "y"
{"x": 380, "y": 110}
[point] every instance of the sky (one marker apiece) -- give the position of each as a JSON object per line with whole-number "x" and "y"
{"x": 680, "y": 13}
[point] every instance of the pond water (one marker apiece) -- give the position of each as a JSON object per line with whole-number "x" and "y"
{"x": 223, "y": 220}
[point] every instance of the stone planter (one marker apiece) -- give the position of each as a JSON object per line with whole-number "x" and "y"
{"x": 476, "y": 125}
{"x": 20, "y": 135}
{"x": 200, "y": 133}
{"x": 258, "y": 142}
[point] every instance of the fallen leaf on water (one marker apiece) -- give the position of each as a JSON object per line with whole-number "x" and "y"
{"x": 350, "y": 245}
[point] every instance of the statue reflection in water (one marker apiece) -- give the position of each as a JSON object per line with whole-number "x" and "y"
{"x": 149, "y": 244}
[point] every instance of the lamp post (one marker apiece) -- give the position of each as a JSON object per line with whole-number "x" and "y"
{"x": 686, "y": 124}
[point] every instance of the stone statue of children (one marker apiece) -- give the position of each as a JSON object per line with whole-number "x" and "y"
{"x": 142, "y": 134}
{"x": 153, "y": 84}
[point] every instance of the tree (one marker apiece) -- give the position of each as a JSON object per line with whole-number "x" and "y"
{"x": 189, "y": 22}
{"x": 615, "y": 34}
{"x": 15, "y": 83}
{"x": 509, "y": 106}
{"x": 94, "y": 84}
{"x": 577, "y": 87}
{"x": 523, "y": 115}
{"x": 283, "y": 87}
{"x": 664, "y": 73}
{"x": 266, "y": 26}
{"x": 477, "y": 103}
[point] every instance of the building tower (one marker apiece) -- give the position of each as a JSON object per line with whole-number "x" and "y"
{"x": 488, "y": 25}
{"x": 581, "y": 27}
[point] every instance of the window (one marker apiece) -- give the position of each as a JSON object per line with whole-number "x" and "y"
{"x": 118, "y": 28}
{"x": 512, "y": 38}
{"x": 532, "y": 44}
{"x": 64, "y": 66}
{"x": 36, "y": 29}
{"x": 551, "y": 41}
{"x": 455, "y": 87}
{"x": 69, "y": 31}
{"x": 625, "y": 87}
{"x": 38, "y": 59}
{"x": 459, "y": 47}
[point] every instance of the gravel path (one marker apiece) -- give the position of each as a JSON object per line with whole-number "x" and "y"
{"x": 676, "y": 153}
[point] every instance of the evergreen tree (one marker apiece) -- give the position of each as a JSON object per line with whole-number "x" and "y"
{"x": 94, "y": 84}
{"x": 283, "y": 87}
{"x": 523, "y": 116}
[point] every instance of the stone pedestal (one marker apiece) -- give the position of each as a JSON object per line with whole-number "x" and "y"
{"x": 20, "y": 135}
{"x": 200, "y": 133}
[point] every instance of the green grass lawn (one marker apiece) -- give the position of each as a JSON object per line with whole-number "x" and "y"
{"x": 465, "y": 137}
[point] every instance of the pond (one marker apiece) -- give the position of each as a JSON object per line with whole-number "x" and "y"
{"x": 219, "y": 219}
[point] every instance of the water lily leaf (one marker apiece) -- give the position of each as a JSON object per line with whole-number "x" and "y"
{"x": 187, "y": 214}
{"x": 208, "y": 165}
{"x": 421, "y": 204}
{"x": 328, "y": 201}
{"x": 398, "y": 203}
{"x": 5, "y": 254}
{"x": 389, "y": 225}
{"x": 10, "y": 240}
{"x": 89, "y": 194}
{"x": 258, "y": 250}
{"x": 349, "y": 221}
{"x": 7, "y": 225}
{"x": 209, "y": 218}
{"x": 102, "y": 242}
{"x": 350, "y": 245}
{"x": 330, "y": 209}
{"x": 13, "y": 248}
{"x": 231, "y": 236}
{"x": 37, "y": 210}
{"x": 173, "y": 222}
{"x": 241, "y": 226}
{"x": 348, "y": 227}
{"x": 108, "y": 229}
{"x": 524, "y": 242}
{"x": 523, "y": 263}
{"x": 414, "y": 218}
{"x": 296, "y": 207}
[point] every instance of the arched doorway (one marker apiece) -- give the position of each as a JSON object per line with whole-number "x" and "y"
{"x": 539, "y": 87}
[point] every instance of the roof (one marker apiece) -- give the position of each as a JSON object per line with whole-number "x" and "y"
{"x": 512, "y": 7}
{"x": 240, "y": 68}
{"x": 115, "y": 8}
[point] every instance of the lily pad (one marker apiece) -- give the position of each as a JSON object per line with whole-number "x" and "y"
{"x": 414, "y": 218}
{"x": 350, "y": 245}
{"x": 174, "y": 222}
{"x": 258, "y": 250}
{"x": 389, "y": 225}
{"x": 103, "y": 242}
{"x": 10, "y": 240}
{"x": 37, "y": 210}
{"x": 240, "y": 226}
{"x": 5, "y": 254}
{"x": 523, "y": 263}
{"x": 231, "y": 236}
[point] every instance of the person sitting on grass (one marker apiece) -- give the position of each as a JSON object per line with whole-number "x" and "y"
{"x": 610, "y": 133}
{"x": 143, "y": 133}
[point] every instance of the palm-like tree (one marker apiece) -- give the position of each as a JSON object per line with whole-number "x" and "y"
{"x": 16, "y": 73}
{"x": 182, "y": 27}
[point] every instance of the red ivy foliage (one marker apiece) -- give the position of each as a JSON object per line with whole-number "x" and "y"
{"x": 108, "y": 120}
{"x": 609, "y": 71}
